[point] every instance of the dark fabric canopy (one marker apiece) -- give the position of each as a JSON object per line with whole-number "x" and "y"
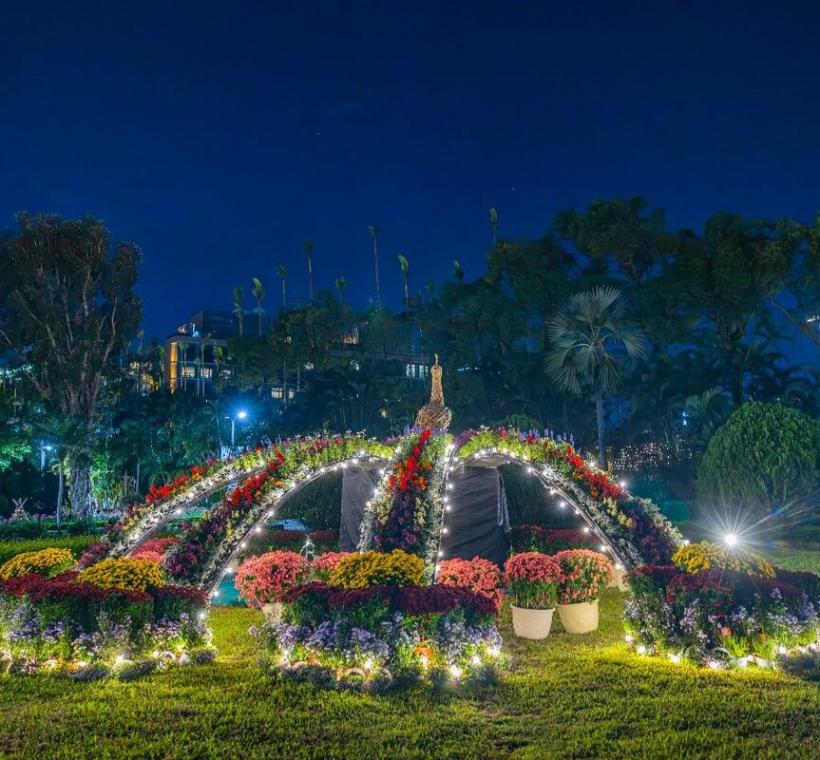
{"x": 357, "y": 488}
{"x": 477, "y": 523}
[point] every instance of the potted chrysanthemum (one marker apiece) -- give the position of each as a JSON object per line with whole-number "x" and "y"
{"x": 532, "y": 580}
{"x": 583, "y": 574}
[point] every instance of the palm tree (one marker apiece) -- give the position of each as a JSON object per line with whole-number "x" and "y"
{"x": 405, "y": 275}
{"x": 494, "y": 224}
{"x": 282, "y": 271}
{"x": 374, "y": 233}
{"x": 585, "y": 336}
{"x": 308, "y": 246}
{"x": 259, "y": 294}
{"x": 340, "y": 286}
{"x": 458, "y": 271}
{"x": 237, "y": 308}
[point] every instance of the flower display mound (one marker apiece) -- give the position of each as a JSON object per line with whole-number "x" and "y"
{"x": 477, "y": 574}
{"x": 396, "y": 568}
{"x": 374, "y": 625}
{"x": 80, "y": 625}
{"x": 124, "y": 574}
{"x": 46, "y": 562}
{"x": 705, "y": 555}
{"x": 723, "y": 617}
{"x": 264, "y": 579}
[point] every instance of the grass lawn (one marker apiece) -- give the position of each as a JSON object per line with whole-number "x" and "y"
{"x": 567, "y": 697}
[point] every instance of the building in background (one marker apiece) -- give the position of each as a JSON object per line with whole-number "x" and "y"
{"x": 196, "y": 356}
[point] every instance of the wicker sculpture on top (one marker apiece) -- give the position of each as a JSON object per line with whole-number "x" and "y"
{"x": 434, "y": 414}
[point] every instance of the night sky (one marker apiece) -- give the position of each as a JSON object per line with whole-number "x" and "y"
{"x": 218, "y": 138}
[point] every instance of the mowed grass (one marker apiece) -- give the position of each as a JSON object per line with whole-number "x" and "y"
{"x": 581, "y": 696}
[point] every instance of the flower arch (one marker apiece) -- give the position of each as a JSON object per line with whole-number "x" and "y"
{"x": 410, "y": 505}
{"x": 208, "y": 547}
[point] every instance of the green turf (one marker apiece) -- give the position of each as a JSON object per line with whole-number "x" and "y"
{"x": 566, "y": 697}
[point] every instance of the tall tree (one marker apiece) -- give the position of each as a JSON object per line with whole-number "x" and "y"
{"x": 259, "y": 295}
{"x": 405, "y": 276}
{"x": 282, "y": 271}
{"x": 341, "y": 283}
{"x": 587, "y": 337}
{"x": 67, "y": 308}
{"x": 238, "y": 309}
{"x": 494, "y": 225}
{"x": 308, "y": 246}
{"x": 374, "y": 233}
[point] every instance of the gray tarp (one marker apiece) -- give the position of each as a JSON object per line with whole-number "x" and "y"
{"x": 477, "y": 521}
{"x": 357, "y": 488}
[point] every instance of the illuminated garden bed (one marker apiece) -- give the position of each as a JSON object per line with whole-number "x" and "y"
{"x": 119, "y": 618}
{"x": 373, "y": 624}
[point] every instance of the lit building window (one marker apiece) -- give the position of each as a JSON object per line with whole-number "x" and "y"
{"x": 277, "y": 393}
{"x": 410, "y": 370}
{"x": 188, "y": 371}
{"x": 206, "y": 372}
{"x": 309, "y": 366}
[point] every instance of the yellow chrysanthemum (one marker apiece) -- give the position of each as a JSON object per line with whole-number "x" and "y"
{"x": 396, "y": 568}
{"x": 46, "y": 562}
{"x": 697, "y": 558}
{"x": 127, "y": 574}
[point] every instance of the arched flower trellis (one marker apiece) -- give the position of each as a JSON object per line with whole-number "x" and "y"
{"x": 142, "y": 519}
{"x": 634, "y": 530}
{"x": 208, "y": 547}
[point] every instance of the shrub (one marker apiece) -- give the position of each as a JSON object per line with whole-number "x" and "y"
{"x": 264, "y": 579}
{"x": 46, "y": 562}
{"x": 396, "y": 568}
{"x": 124, "y": 573}
{"x": 583, "y": 574}
{"x": 766, "y": 455}
{"x": 532, "y": 579}
{"x": 154, "y": 549}
{"x": 326, "y": 563}
{"x": 77, "y": 545}
{"x": 479, "y": 575}
{"x": 697, "y": 558}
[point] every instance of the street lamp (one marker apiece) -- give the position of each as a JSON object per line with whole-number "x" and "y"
{"x": 240, "y": 415}
{"x": 44, "y": 447}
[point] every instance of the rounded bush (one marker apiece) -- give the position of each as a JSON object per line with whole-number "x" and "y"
{"x": 697, "y": 558}
{"x": 46, "y": 562}
{"x": 124, "y": 573}
{"x": 765, "y": 456}
{"x": 396, "y": 568}
{"x": 264, "y": 579}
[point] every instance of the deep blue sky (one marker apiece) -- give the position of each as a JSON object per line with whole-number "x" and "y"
{"x": 220, "y": 137}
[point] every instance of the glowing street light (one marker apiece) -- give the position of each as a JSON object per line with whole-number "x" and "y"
{"x": 240, "y": 415}
{"x": 731, "y": 540}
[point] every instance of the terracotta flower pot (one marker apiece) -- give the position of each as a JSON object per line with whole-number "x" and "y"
{"x": 579, "y": 618}
{"x": 531, "y": 624}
